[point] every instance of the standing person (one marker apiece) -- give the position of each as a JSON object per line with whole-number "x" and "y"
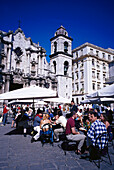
{"x": 73, "y": 107}
{"x": 5, "y": 113}
{"x": 15, "y": 119}
{"x": 72, "y": 134}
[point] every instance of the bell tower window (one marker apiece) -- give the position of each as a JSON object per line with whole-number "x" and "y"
{"x": 55, "y": 47}
{"x": 65, "y": 47}
{"x": 65, "y": 67}
{"x": 54, "y": 63}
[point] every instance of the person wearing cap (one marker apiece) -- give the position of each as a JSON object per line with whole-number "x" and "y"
{"x": 72, "y": 134}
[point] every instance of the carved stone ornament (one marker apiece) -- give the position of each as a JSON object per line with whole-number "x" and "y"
{"x": 18, "y": 53}
{"x": 17, "y": 79}
{"x": 18, "y": 71}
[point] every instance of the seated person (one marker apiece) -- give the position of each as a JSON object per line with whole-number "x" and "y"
{"x": 96, "y": 129}
{"x": 60, "y": 119}
{"x": 104, "y": 119}
{"x": 86, "y": 122}
{"x": 72, "y": 134}
{"x": 50, "y": 114}
{"x": 36, "y": 125}
{"x": 15, "y": 119}
{"x": 44, "y": 121}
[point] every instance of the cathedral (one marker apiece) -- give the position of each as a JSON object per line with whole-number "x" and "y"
{"x": 72, "y": 73}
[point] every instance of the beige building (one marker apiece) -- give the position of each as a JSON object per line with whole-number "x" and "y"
{"x": 90, "y": 69}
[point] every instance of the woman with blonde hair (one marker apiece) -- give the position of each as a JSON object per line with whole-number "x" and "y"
{"x": 44, "y": 124}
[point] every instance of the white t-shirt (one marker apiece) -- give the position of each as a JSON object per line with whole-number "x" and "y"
{"x": 62, "y": 121}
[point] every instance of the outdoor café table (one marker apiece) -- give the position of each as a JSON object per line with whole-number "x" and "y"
{"x": 83, "y": 130}
{"x": 55, "y": 126}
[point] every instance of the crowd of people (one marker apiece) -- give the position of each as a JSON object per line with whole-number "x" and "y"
{"x": 79, "y": 123}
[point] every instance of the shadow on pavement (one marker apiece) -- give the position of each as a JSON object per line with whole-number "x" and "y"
{"x": 18, "y": 131}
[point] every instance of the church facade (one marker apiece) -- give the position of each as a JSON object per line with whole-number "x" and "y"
{"x": 72, "y": 73}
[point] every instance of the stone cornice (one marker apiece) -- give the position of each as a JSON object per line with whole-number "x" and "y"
{"x": 63, "y": 76}
{"x": 42, "y": 50}
{"x": 60, "y": 52}
{"x": 92, "y": 56}
{"x": 93, "y": 46}
{"x": 62, "y": 36}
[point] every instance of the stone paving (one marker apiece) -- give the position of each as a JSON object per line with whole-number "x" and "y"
{"x": 18, "y": 153}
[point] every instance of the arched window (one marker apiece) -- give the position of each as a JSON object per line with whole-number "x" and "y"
{"x": 93, "y": 62}
{"x": 54, "y": 63}
{"x": 65, "y": 67}
{"x": 55, "y": 47}
{"x": 65, "y": 47}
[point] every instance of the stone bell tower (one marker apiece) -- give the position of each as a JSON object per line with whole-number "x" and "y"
{"x": 61, "y": 61}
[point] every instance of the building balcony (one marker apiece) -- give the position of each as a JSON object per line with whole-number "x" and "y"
{"x": 76, "y": 80}
{"x": 93, "y": 77}
{"x": 82, "y": 77}
{"x": 76, "y": 69}
{"x": 98, "y": 67}
{"x": 81, "y": 65}
{"x": 82, "y": 90}
{"x": 93, "y": 66}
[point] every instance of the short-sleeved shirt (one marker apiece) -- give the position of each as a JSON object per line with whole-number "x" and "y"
{"x": 62, "y": 121}
{"x": 70, "y": 124}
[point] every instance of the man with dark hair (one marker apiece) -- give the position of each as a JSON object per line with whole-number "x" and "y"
{"x": 72, "y": 134}
{"x": 60, "y": 120}
{"x": 73, "y": 107}
{"x": 96, "y": 129}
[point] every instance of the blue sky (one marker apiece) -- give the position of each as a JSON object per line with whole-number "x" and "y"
{"x": 85, "y": 20}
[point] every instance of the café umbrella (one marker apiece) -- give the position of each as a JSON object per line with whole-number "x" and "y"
{"x": 104, "y": 92}
{"x": 31, "y": 92}
{"x": 59, "y": 99}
